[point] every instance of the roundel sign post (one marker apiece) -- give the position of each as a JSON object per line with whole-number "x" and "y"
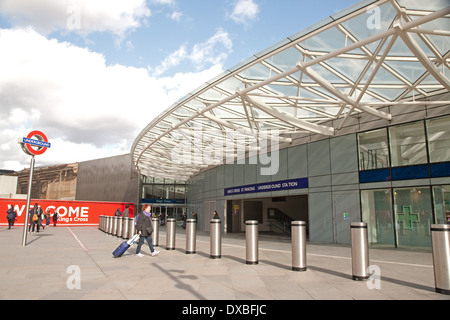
{"x": 34, "y": 144}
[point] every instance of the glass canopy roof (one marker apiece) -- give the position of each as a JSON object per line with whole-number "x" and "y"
{"x": 370, "y": 56}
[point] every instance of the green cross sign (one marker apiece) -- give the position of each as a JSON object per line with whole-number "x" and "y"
{"x": 407, "y": 217}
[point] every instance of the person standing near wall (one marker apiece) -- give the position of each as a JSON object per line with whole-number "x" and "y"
{"x": 55, "y": 218}
{"x": 126, "y": 212}
{"x": 11, "y": 216}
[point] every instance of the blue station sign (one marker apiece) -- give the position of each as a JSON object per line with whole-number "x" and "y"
{"x": 37, "y": 143}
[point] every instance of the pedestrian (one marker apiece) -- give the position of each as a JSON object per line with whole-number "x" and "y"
{"x": 118, "y": 213}
{"x": 15, "y": 216}
{"x": 184, "y": 218}
{"x": 126, "y": 212}
{"x": 216, "y": 216}
{"x": 30, "y": 220}
{"x": 47, "y": 215}
{"x": 145, "y": 229}
{"x": 35, "y": 218}
{"x": 11, "y": 216}
{"x": 41, "y": 216}
{"x": 55, "y": 218}
{"x": 194, "y": 216}
{"x": 162, "y": 218}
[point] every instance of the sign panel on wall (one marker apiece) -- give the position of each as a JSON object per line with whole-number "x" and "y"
{"x": 300, "y": 183}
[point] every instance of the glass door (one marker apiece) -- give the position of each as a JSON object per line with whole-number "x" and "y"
{"x": 441, "y": 196}
{"x": 413, "y": 216}
{"x": 376, "y": 208}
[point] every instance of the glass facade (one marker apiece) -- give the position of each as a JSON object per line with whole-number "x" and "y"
{"x": 417, "y": 151}
{"x": 373, "y": 150}
{"x": 407, "y": 144}
{"x": 438, "y": 133}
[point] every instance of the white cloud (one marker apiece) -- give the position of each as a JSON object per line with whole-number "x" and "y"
{"x": 80, "y": 16}
{"x": 244, "y": 11}
{"x": 176, "y": 16}
{"x": 213, "y": 51}
{"x": 87, "y": 109}
{"x": 163, "y": 2}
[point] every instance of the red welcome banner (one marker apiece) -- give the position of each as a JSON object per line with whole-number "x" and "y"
{"x": 70, "y": 213}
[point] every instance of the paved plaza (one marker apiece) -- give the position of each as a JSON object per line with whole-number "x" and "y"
{"x": 65, "y": 263}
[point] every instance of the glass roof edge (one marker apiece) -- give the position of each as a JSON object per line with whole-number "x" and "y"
{"x": 243, "y": 64}
{"x": 217, "y": 78}
{"x": 298, "y": 35}
{"x": 355, "y": 7}
{"x": 330, "y": 19}
{"x": 157, "y": 119}
{"x": 274, "y": 47}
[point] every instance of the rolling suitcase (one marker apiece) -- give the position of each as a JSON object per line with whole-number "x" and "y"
{"x": 124, "y": 246}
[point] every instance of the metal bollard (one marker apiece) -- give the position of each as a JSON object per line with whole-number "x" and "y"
{"x": 360, "y": 251}
{"x": 215, "y": 241}
{"x": 125, "y": 222}
{"x": 251, "y": 237}
{"x": 100, "y": 222}
{"x": 114, "y": 226}
{"x": 191, "y": 234}
{"x": 155, "y": 235}
{"x": 119, "y": 227}
{"x": 131, "y": 228}
{"x": 298, "y": 231}
{"x": 440, "y": 241}
{"x": 109, "y": 225}
{"x": 170, "y": 234}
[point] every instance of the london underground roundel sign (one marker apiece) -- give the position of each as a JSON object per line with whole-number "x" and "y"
{"x": 35, "y": 143}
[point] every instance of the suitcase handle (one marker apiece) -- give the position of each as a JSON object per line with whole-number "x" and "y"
{"x": 133, "y": 239}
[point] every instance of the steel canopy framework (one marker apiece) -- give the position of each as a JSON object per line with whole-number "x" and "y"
{"x": 374, "y": 55}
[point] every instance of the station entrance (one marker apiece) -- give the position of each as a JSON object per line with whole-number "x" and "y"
{"x": 168, "y": 211}
{"x": 274, "y": 214}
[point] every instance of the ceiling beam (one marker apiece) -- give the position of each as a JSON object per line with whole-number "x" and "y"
{"x": 302, "y": 124}
{"x": 420, "y": 54}
{"x": 337, "y": 93}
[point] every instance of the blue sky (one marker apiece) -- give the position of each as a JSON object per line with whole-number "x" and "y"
{"x": 160, "y": 34}
{"x": 91, "y": 74}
